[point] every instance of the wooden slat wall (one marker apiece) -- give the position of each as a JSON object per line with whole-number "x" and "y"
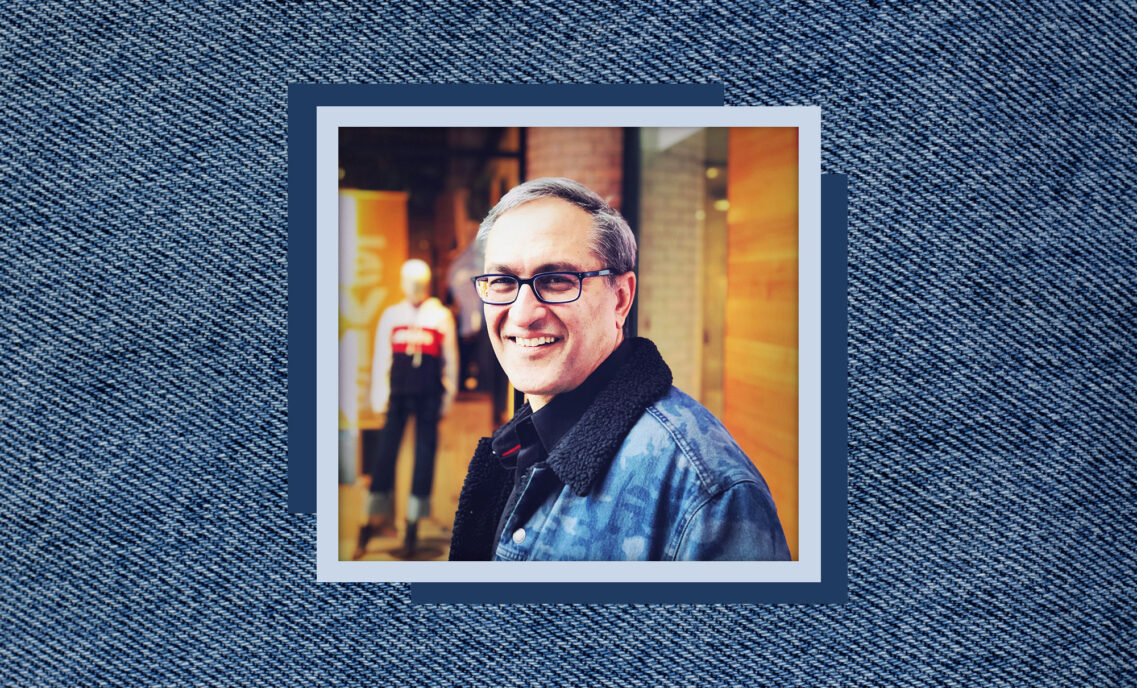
{"x": 760, "y": 381}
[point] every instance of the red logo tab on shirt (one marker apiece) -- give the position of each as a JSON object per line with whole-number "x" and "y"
{"x": 411, "y": 340}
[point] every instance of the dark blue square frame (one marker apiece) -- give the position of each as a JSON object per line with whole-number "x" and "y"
{"x": 303, "y": 99}
{"x": 302, "y": 104}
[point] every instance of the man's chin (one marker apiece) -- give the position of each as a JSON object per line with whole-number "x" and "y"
{"x": 532, "y": 387}
{"x": 534, "y": 373}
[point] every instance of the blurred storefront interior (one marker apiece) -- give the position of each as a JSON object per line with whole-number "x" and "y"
{"x": 715, "y": 215}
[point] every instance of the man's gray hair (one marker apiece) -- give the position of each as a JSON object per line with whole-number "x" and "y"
{"x": 612, "y": 240}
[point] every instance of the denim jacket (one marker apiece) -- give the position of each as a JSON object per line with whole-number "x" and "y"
{"x": 647, "y": 474}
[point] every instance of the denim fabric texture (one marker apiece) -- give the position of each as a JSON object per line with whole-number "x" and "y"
{"x": 992, "y": 431}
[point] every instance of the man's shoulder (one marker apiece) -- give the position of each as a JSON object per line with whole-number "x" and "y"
{"x": 698, "y": 442}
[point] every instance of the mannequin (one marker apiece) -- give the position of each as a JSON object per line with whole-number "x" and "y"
{"x": 414, "y": 371}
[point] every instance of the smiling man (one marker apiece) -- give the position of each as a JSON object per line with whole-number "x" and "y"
{"x": 606, "y": 460}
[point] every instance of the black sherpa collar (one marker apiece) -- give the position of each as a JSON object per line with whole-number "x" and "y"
{"x": 583, "y": 454}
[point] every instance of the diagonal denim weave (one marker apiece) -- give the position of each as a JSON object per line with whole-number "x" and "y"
{"x": 992, "y": 310}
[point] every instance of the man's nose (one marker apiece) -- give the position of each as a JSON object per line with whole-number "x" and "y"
{"x": 527, "y": 309}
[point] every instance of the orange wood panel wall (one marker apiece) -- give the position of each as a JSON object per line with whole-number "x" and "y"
{"x": 760, "y": 382}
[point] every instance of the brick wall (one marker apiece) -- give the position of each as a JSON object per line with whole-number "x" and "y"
{"x": 671, "y": 251}
{"x": 593, "y": 156}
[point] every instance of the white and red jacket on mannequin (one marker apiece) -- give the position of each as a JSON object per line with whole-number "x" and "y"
{"x": 416, "y": 352}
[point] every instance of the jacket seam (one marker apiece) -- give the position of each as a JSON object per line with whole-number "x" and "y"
{"x": 701, "y": 470}
{"x": 694, "y": 512}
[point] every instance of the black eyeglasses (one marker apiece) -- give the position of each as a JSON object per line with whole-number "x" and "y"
{"x": 548, "y": 287}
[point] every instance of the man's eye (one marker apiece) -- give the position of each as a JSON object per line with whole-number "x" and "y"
{"x": 558, "y": 283}
{"x": 501, "y": 283}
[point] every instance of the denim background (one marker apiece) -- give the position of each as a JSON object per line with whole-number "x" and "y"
{"x": 145, "y": 535}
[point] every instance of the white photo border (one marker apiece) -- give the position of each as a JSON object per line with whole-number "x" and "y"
{"x": 807, "y": 569}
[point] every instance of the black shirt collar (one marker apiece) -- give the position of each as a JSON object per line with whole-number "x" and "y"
{"x": 507, "y": 443}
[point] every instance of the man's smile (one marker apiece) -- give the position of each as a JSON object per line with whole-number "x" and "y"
{"x": 534, "y": 342}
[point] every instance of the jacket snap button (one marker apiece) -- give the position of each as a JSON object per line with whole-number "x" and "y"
{"x": 519, "y": 535}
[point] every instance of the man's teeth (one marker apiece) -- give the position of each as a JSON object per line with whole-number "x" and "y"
{"x": 537, "y": 341}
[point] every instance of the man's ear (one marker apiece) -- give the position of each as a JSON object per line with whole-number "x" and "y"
{"x": 625, "y": 294}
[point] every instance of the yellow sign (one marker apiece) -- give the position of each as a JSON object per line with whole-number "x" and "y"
{"x": 372, "y": 250}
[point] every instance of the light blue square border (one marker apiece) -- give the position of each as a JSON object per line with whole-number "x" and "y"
{"x": 807, "y": 568}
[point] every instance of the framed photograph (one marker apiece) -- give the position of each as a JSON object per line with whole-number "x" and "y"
{"x": 725, "y": 207}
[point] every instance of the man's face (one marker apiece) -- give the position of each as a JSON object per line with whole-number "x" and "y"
{"x": 551, "y": 235}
